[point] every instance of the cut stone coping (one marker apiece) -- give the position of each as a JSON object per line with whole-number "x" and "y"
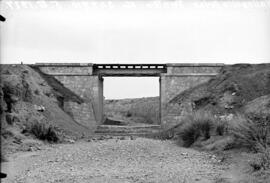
{"x": 63, "y": 64}
{"x": 126, "y": 126}
{"x": 195, "y": 64}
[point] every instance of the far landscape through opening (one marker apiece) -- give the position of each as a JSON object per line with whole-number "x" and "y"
{"x": 131, "y": 101}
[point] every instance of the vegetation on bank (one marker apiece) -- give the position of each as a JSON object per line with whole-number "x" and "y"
{"x": 241, "y": 132}
{"x": 248, "y": 132}
{"x": 237, "y": 117}
{"x": 31, "y": 110}
{"x": 43, "y": 131}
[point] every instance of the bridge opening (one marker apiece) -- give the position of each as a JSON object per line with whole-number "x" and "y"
{"x": 131, "y": 100}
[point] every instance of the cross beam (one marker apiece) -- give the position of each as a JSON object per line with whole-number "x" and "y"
{"x": 129, "y": 69}
{"x": 129, "y": 66}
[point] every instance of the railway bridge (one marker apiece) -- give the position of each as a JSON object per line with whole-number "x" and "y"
{"x": 86, "y": 81}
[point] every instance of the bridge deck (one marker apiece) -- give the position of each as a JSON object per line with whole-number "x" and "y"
{"x": 129, "y": 69}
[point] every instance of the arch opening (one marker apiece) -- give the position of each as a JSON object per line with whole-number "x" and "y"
{"x": 131, "y": 100}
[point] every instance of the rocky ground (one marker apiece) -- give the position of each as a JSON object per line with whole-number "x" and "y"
{"x": 114, "y": 160}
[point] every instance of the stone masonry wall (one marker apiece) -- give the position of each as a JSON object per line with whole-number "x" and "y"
{"x": 180, "y": 77}
{"x": 79, "y": 80}
{"x": 67, "y": 70}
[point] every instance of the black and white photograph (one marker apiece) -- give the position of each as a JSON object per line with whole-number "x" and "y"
{"x": 135, "y": 91}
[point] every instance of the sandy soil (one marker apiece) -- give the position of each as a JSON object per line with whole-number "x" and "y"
{"x": 114, "y": 160}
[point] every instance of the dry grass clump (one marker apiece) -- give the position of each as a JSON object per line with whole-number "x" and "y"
{"x": 251, "y": 131}
{"x": 198, "y": 125}
{"x": 221, "y": 127}
{"x": 261, "y": 160}
{"x": 42, "y": 131}
{"x": 261, "y": 165}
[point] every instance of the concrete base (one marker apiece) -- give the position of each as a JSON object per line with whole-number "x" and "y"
{"x": 127, "y": 130}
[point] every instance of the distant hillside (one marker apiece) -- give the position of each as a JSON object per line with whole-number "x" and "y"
{"x": 138, "y": 110}
{"x": 229, "y": 92}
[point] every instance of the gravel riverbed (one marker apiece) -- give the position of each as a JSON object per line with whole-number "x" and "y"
{"x": 137, "y": 160}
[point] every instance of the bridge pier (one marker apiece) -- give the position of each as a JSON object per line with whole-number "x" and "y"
{"x": 178, "y": 78}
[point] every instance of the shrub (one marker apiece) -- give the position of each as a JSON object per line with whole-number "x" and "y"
{"x": 199, "y": 124}
{"x": 189, "y": 135}
{"x": 42, "y": 131}
{"x": 251, "y": 131}
{"x": 3, "y": 158}
{"x": 163, "y": 135}
{"x": 6, "y": 133}
{"x": 261, "y": 160}
{"x": 221, "y": 127}
{"x": 129, "y": 114}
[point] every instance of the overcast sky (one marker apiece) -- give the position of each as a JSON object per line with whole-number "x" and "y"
{"x": 135, "y": 32}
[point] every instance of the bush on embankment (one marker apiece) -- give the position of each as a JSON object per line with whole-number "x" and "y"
{"x": 251, "y": 131}
{"x": 242, "y": 131}
{"x": 43, "y": 131}
{"x": 199, "y": 126}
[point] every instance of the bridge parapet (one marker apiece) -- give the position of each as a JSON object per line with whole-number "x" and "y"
{"x": 70, "y": 69}
{"x": 196, "y": 69}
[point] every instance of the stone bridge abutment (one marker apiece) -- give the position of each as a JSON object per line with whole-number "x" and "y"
{"x": 86, "y": 81}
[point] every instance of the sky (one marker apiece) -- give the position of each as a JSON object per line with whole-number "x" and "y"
{"x": 135, "y": 32}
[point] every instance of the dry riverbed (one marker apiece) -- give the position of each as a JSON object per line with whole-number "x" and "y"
{"x": 138, "y": 160}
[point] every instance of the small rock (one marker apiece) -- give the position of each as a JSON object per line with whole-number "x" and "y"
{"x": 228, "y": 106}
{"x": 39, "y": 108}
{"x": 184, "y": 154}
{"x": 9, "y": 119}
{"x": 101, "y": 138}
{"x": 122, "y": 138}
{"x": 17, "y": 141}
{"x": 7, "y": 72}
{"x": 30, "y": 149}
{"x": 70, "y": 141}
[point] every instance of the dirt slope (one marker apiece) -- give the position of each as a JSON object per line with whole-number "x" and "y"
{"x": 231, "y": 90}
{"x": 27, "y": 97}
{"x": 258, "y": 105}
